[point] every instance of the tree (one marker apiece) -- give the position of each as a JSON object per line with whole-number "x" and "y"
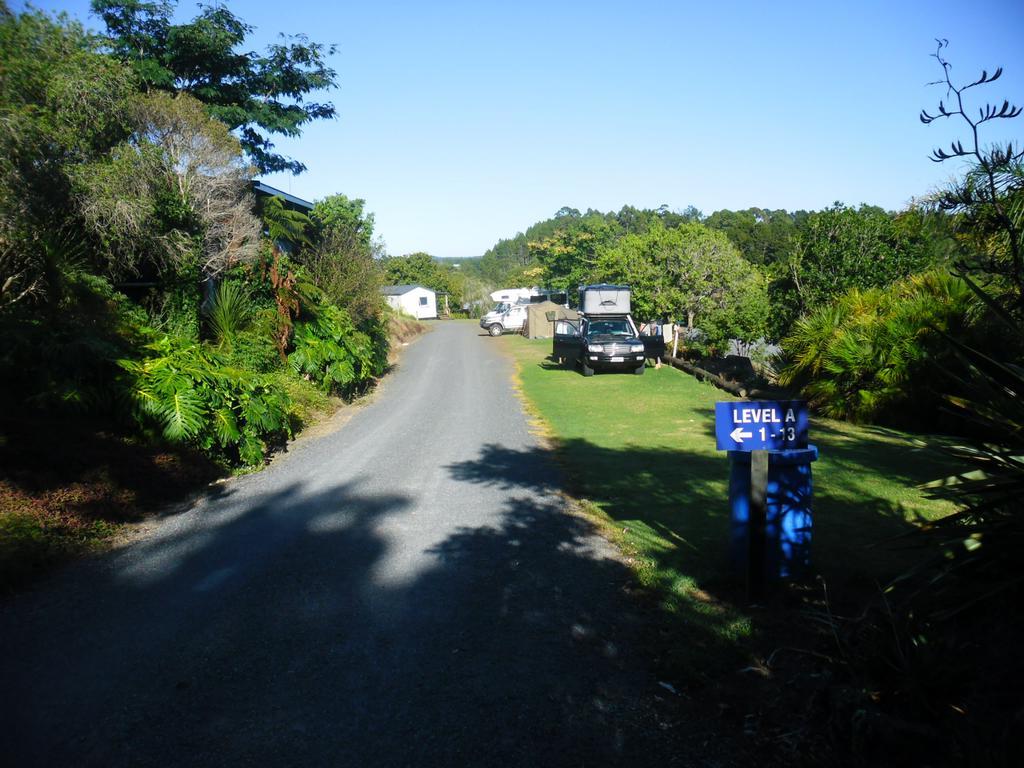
{"x": 842, "y": 247}
{"x": 61, "y": 103}
{"x": 413, "y": 268}
{"x": 763, "y": 236}
{"x": 424, "y": 269}
{"x": 990, "y": 195}
{"x": 569, "y": 256}
{"x": 692, "y": 273}
{"x": 257, "y": 95}
{"x": 343, "y": 260}
{"x": 344, "y": 218}
{"x": 177, "y": 192}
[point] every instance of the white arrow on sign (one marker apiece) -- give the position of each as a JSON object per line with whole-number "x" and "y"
{"x": 738, "y": 434}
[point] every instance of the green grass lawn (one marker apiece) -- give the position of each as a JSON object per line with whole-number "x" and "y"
{"x": 639, "y": 451}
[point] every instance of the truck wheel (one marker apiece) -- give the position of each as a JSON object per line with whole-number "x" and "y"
{"x": 639, "y": 371}
{"x": 587, "y": 370}
{"x": 495, "y": 329}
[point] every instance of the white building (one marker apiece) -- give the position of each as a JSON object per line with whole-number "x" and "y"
{"x": 413, "y": 300}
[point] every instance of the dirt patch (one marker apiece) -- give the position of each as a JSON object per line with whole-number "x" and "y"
{"x": 70, "y": 487}
{"x": 404, "y": 329}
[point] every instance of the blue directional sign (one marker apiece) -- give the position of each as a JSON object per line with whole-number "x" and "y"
{"x": 765, "y": 425}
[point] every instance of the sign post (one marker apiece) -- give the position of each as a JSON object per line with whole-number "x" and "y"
{"x": 758, "y": 520}
{"x": 760, "y": 428}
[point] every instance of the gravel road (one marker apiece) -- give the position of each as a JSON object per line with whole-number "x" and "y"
{"x": 407, "y": 591}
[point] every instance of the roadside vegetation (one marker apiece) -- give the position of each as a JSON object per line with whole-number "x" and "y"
{"x": 159, "y": 325}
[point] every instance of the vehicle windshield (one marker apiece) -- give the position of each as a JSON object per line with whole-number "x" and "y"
{"x": 609, "y": 328}
{"x": 501, "y": 308}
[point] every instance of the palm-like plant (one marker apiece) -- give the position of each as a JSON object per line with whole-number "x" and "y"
{"x": 989, "y": 529}
{"x": 331, "y": 351}
{"x": 870, "y": 351}
{"x": 230, "y": 313}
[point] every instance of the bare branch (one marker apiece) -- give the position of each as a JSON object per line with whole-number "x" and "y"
{"x": 985, "y": 78}
{"x": 991, "y": 183}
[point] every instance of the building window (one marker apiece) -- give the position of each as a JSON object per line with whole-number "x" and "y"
{"x": 423, "y": 301}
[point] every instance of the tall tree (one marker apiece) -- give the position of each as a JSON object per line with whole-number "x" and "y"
{"x": 423, "y": 269}
{"x": 763, "y": 236}
{"x": 177, "y": 192}
{"x": 256, "y": 95}
{"x": 842, "y": 247}
{"x": 62, "y": 103}
{"x": 344, "y": 217}
{"x": 343, "y": 260}
{"x": 690, "y": 273}
{"x": 569, "y": 256}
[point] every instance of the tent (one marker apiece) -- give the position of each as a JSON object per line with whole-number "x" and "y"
{"x": 540, "y": 319}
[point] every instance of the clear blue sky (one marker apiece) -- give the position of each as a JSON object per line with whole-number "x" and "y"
{"x": 463, "y": 122}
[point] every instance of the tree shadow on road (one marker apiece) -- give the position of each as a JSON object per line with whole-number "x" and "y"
{"x": 281, "y": 628}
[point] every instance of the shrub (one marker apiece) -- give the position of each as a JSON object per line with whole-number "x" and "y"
{"x": 193, "y": 396}
{"x": 254, "y": 350}
{"x": 61, "y": 358}
{"x": 875, "y": 352}
{"x": 331, "y": 351}
{"x": 308, "y": 402}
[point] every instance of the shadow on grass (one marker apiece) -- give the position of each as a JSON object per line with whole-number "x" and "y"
{"x": 552, "y": 365}
{"x": 671, "y": 508}
{"x": 911, "y": 459}
{"x": 682, "y": 496}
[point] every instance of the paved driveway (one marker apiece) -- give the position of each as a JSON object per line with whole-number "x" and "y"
{"x": 404, "y": 591}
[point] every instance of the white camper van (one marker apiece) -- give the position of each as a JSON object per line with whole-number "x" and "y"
{"x": 512, "y": 295}
{"x": 504, "y": 316}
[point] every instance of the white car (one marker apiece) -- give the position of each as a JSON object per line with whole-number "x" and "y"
{"x": 511, "y": 319}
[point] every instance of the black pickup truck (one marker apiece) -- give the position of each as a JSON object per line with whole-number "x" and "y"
{"x": 604, "y": 342}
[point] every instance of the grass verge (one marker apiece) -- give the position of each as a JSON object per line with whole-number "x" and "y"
{"x": 639, "y": 453}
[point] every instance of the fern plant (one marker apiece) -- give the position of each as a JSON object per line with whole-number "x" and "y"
{"x": 285, "y": 227}
{"x": 939, "y": 648}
